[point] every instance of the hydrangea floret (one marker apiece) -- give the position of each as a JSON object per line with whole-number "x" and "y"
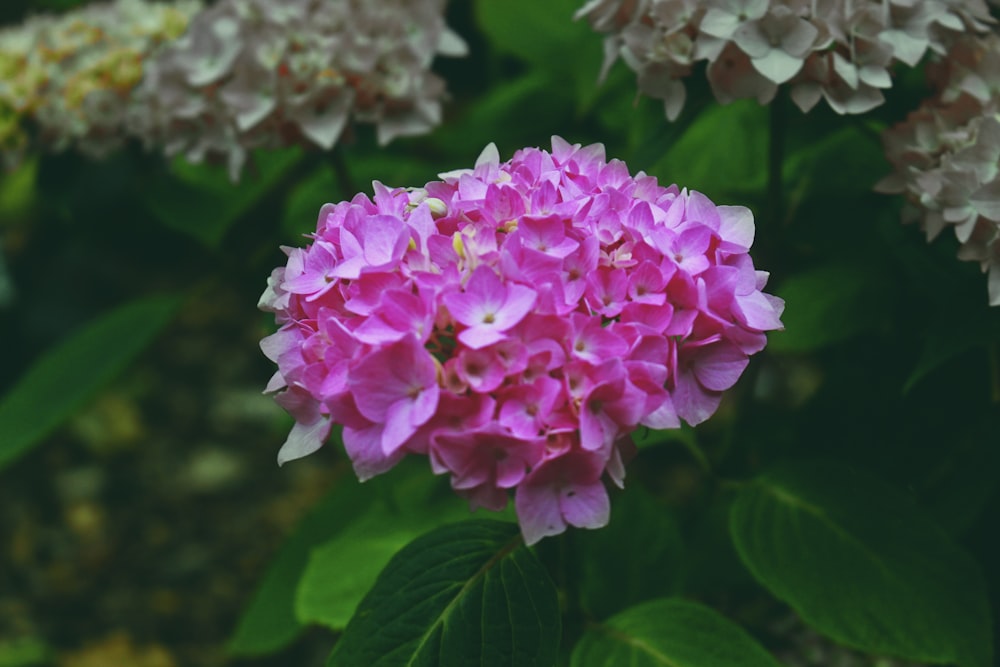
{"x": 515, "y": 323}
{"x": 946, "y": 155}
{"x": 838, "y": 50}
{"x": 67, "y": 80}
{"x": 261, "y": 74}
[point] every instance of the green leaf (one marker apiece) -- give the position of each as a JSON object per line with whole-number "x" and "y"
{"x": 669, "y": 633}
{"x": 642, "y": 533}
{"x": 199, "y": 199}
{"x": 545, "y": 35}
{"x": 65, "y": 377}
{"x": 843, "y": 163}
{"x": 465, "y": 594}
{"x": 828, "y": 305}
{"x": 951, "y": 333}
{"x": 343, "y": 569}
{"x": 541, "y": 33}
{"x": 723, "y": 153}
{"x": 862, "y": 564}
{"x": 269, "y": 622}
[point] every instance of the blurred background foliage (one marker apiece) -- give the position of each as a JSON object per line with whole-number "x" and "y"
{"x": 138, "y": 529}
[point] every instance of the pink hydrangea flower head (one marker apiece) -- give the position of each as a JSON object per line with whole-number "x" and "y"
{"x": 516, "y": 322}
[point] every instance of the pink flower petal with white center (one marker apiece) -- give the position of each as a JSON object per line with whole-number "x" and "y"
{"x": 546, "y": 234}
{"x": 647, "y": 284}
{"x": 304, "y": 439}
{"x": 717, "y": 367}
{"x": 592, "y": 342}
{"x": 484, "y": 295}
{"x": 318, "y": 272}
{"x": 402, "y": 373}
{"x": 606, "y": 291}
{"x": 480, "y": 370}
{"x": 689, "y": 249}
{"x": 488, "y": 307}
{"x": 364, "y": 447}
{"x": 524, "y": 408}
{"x": 563, "y": 490}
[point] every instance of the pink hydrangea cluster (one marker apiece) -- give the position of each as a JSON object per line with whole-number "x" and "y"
{"x": 515, "y": 323}
{"x": 262, "y": 74}
{"x": 946, "y": 155}
{"x": 838, "y": 50}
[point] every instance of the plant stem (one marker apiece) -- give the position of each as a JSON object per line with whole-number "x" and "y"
{"x": 343, "y": 174}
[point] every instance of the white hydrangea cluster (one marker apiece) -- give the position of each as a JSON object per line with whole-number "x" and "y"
{"x": 838, "y": 50}
{"x": 257, "y": 73}
{"x": 946, "y": 155}
{"x": 66, "y": 80}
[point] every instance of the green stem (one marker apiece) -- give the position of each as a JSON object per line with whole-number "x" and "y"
{"x": 341, "y": 171}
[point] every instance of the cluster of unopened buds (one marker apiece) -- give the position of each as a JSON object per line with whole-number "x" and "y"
{"x": 946, "y": 155}
{"x": 516, "y": 322}
{"x": 839, "y": 50}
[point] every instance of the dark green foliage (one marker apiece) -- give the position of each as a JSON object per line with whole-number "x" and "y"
{"x": 466, "y": 594}
{"x": 63, "y": 380}
{"x": 669, "y": 632}
{"x": 862, "y": 564}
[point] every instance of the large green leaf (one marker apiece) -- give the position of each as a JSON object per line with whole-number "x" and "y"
{"x": 723, "y": 153}
{"x": 65, "y": 377}
{"x": 840, "y": 164}
{"x": 269, "y": 622}
{"x": 828, "y": 305}
{"x": 465, "y": 594}
{"x": 861, "y": 564}
{"x": 669, "y": 633}
{"x": 545, "y": 35}
{"x": 344, "y": 568}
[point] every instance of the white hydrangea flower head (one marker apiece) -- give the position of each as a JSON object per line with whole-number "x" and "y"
{"x": 257, "y": 74}
{"x": 946, "y": 155}
{"x": 837, "y": 50}
{"x": 66, "y": 80}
